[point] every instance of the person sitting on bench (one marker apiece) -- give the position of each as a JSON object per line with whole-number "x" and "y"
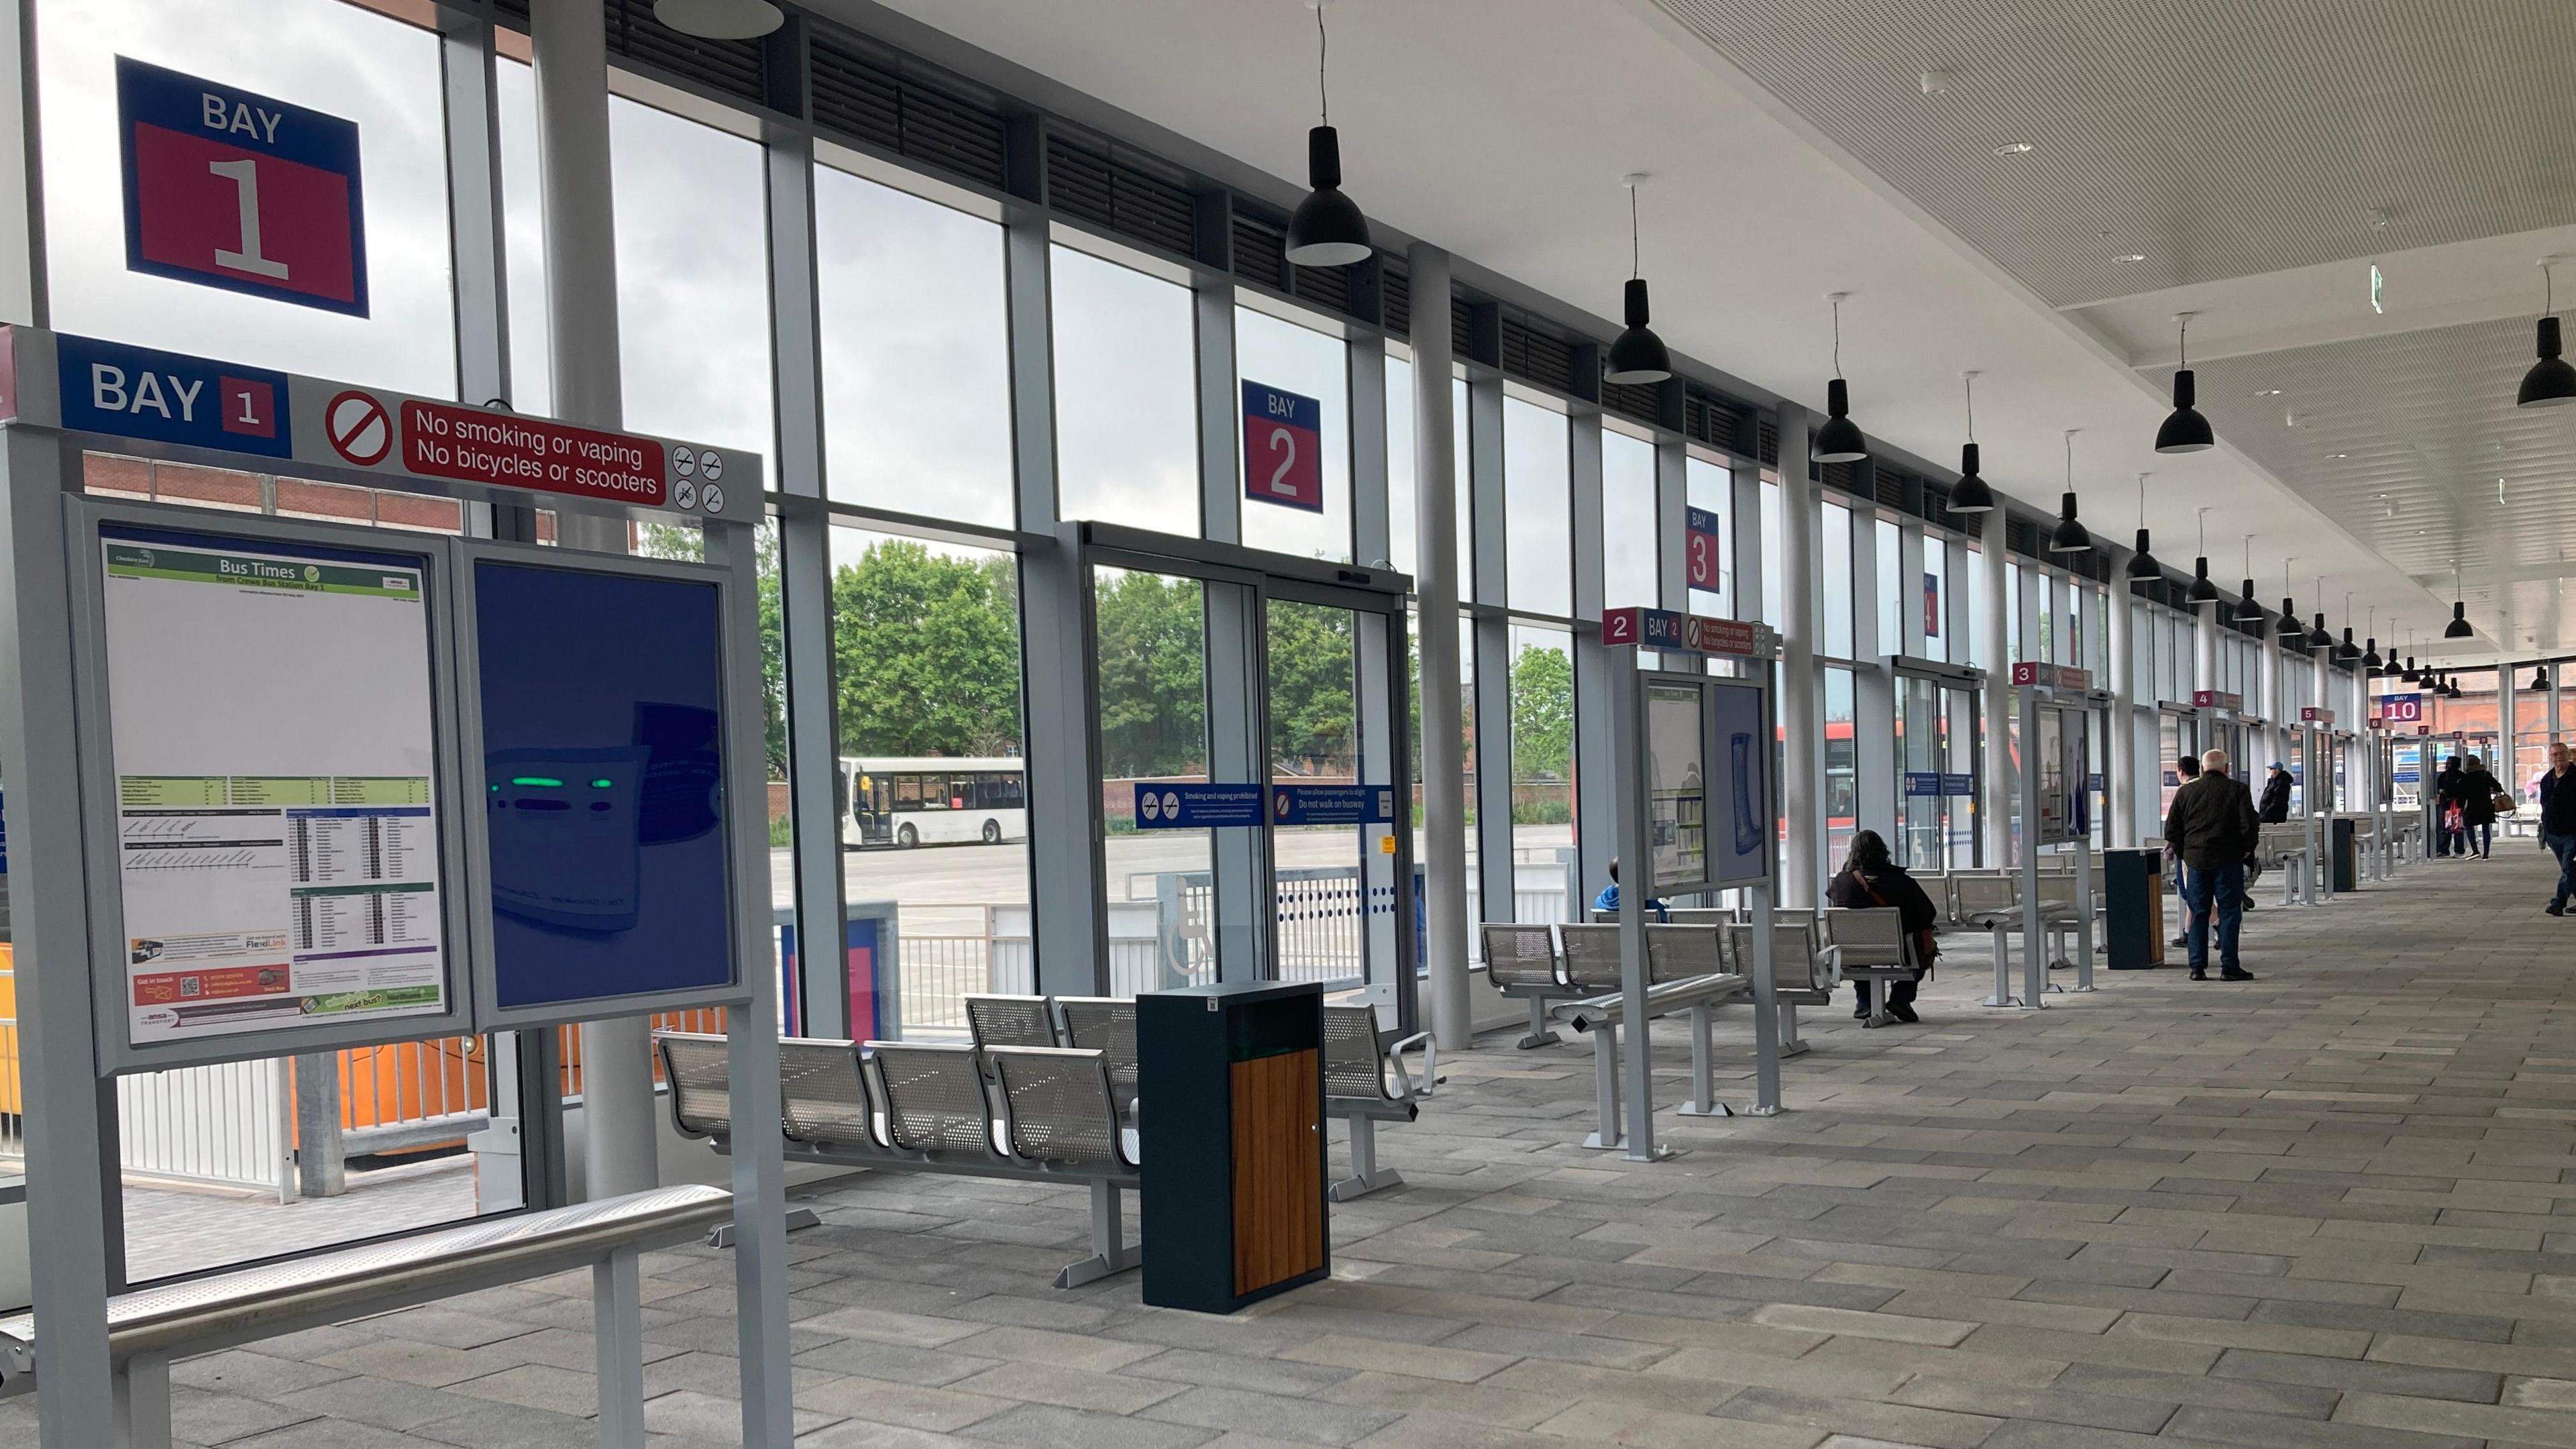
{"x": 1870, "y": 878}
{"x": 1608, "y": 900}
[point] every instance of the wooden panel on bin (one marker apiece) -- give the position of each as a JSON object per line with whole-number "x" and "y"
{"x": 1278, "y": 1169}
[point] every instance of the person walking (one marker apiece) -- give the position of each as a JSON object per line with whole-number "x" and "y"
{"x": 2447, "y": 809}
{"x": 2212, "y": 826}
{"x": 2186, "y": 770}
{"x": 2558, "y": 821}
{"x": 2478, "y": 791}
{"x": 2274, "y": 809}
{"x": 1869, "y": 879}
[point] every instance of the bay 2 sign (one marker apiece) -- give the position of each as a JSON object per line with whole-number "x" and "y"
{"x": 232, "y": 189}
{"x": 1283, "y": 448}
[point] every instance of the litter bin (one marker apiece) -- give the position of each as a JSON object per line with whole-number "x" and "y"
{"x": 2346, "y": 856}
{"x": 2133, "y": 888}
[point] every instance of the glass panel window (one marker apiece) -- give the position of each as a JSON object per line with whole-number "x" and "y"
{"x": 1710, "y": 488}
{"x": 391, "y": 324}
{"x": 1842, "y": 765}
{"x": 1126, "y": 418}
{"x": 1888, "y": 542}
{"x": 1401, "y": 491}
{"x": 1537, "y": 508}
{"x": 1304, "y": 361}
{"x": 1937, "y": 643}
{"x": 916, "y": 353}
{"x": 926, "y": 688}
{"x": 1976, "y": 612}
{"x": 1542, "y": 685}
{"x": 1835, "y": 540}
{"x": 2015, "y": 647}
{"x": 1629, "y": 552}
{"x": 1152, "y": 658}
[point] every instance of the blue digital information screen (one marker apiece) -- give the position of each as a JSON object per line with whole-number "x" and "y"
{"x": 603, "y": 728}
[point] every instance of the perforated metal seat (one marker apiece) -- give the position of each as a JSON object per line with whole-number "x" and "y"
{"x": 1018, "y": 1021}
{"x": 701, "y": 1094}
{"x": 1591, "y": 957}
{"x": 1061, "y": 1113}
{"x": 1987, "y": 900}
{"x": 934, "y": 1097}
{"x": 1107, "y": 1025}
{"x": 1684, "y": 951}
{"x": 1365, "y": 1082}
{"x": 1869, "y": 944}
{"x": 1521, "y": 962}
{"x": 1796, "y": 978}
{"x": 823, "y": 1095}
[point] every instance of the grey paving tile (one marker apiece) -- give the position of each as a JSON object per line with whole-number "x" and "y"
{"x": 1073, "y": 1429}
{"x": 2465, "y": 1385}
{"x": 1278, "y": 1416}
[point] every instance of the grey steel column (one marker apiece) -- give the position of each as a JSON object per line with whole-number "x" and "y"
{"x": 1435, "y": 589}
{"x": 2123, "y": 683}
{"x": 2267, "y": 678}
{"x": 474, "y": 210}
{"x": 1596, "y": 816}
{"x": 1672, "y": 529}
{"x": 71, "y": 1161}
{"x": 1994, "y": 812}
{"x": 1874, "y": 744}
{"x": 1237, "y": 752}
{"x": 571, "y": 43}
{"x": 1801, "y": 697}
{"x": 819, "y": 804}
{"x": 1059, "y": 685}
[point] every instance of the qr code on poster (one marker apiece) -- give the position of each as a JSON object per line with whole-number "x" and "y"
{"x": 191, "y": 986}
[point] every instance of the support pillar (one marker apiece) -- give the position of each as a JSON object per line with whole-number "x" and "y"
{"x": 1435, "y": 590}
{"x": 1995, "y": 811}
{"x": 2122, "y": 744}
{"x": 1801, "y": 701}
{"x": 570, "y": 38}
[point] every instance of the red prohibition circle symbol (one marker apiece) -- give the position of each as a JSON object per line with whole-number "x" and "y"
{"x": 359, "y": 428}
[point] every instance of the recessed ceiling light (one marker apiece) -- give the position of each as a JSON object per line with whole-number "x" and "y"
{"x": 2338, "y": 455}
{"x": 2267, "y": 392}
{"x": 2013, "y": 148}
{"x": 2126, "y": 258}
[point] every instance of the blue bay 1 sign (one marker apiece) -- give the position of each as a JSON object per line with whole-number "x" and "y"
{"x": 1283, "y": 448}
{"x": 232, "y": 189}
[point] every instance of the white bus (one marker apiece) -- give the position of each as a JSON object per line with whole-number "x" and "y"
{"x": 933, "y": 800}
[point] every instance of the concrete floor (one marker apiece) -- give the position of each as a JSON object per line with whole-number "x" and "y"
{"x": 2331, "y": 1207}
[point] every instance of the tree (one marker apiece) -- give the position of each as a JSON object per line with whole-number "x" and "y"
{"x": 1542, "y": 714}
{"x": 926, "y": 653}
{"x": 1311, "y": 682}
{"x": 1153, "y": 676}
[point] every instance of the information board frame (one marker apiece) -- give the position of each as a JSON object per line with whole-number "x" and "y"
{"x": 473, "y": 779}
{"x": 95, "y": 765}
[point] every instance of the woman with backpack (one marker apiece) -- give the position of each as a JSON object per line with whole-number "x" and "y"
{"x": 2479, "y": 791}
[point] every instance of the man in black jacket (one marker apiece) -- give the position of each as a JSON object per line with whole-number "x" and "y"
{"x": 2275, "y": 806}
{"x": 2558, "y": 822}
{"x": 2213, "y": 827}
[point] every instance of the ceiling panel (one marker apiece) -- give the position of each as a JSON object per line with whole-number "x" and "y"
{"x": 2216, "y": 140}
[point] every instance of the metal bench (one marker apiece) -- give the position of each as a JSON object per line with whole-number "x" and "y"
{"x": 1696, "y": 978}
{"x": 1358, "y": 1062}
{"x": 1011, "y": 1021}
{"x": 1799, "y": 977}
{"x": 1992, "y": 903}
{"x": 918, "y": 1107}
{"x": 2285, "y": 847}
{"x": 1870, "y": 944}
{"x": 1107, "y": 1025}
{"x": 148, "y": 1328}
{"x": 1521, "y": 962}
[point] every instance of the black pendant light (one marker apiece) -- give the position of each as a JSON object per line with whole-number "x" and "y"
{"x": 2348, "y": 651}
{"x": 2318, "y": 638}
{"x": 2540, "y": 679}
{"x": 1839, "y": 440}
{"x": 2248, "y": 610}
{"x": 2202, "y": 590}
{"x": 2458, "y": 628}
{"x": 2410, "y": 674}
{"x": 1970, "y": 494}
{"x": 2551, "y": 383}
{"x": 2291, "y": 633}
{"x": 1327, "y": 229}
{"x": 2451, "y": 687}
{"x": 2184, "y": 430}
{"x": 1638, "y": 356}
{"x": 2069, "y": 536}
{"x": 2370, "y": 644}
{"x": 2142, "y": 564}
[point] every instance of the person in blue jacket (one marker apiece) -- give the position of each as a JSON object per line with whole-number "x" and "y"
{"x": 1608, "y": 900}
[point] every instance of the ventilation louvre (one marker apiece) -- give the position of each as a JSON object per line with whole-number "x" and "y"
{"x": 1260, "y": 252}
{"x": 1118, "y": 197}
{"x": 866, "y": 96}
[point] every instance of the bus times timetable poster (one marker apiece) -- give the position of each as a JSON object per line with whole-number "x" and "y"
{"x": 276, "y": 808}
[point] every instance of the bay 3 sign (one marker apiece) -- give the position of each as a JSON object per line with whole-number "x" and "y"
{"x": 232, "y": 189}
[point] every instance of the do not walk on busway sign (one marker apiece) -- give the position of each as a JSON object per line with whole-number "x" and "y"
{"x": 86, "y": 580}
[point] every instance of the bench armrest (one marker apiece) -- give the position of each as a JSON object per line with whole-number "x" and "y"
{"x": 1430, "y": 1064}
